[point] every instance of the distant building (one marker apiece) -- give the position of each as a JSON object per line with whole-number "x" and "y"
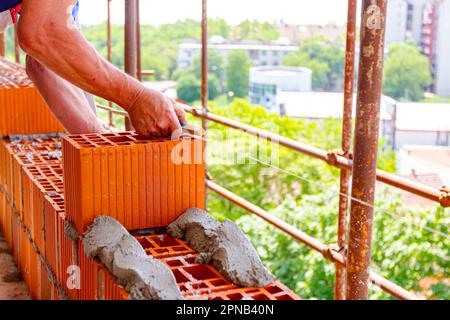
{"x": 426, "y": 124}
{"x": 260, "y": 54}
{"x": 425, "y": 161}
{"x": 396, "y": 22}
{"x": 427, "y": 23}
{"x": 319, "y": 106}
{"x": 299, "y": 33}
{"x": 268, "y": 83}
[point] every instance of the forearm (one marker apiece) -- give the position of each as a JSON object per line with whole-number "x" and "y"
{"x": 67, "y": 53}
{"x": 67, "y": 102}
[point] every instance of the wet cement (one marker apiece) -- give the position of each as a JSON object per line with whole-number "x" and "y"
{"x": 224, "y": 246}
{"x": 144, "y": 277}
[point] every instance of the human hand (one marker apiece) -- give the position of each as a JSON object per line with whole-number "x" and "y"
{"x": 154, "y": 114}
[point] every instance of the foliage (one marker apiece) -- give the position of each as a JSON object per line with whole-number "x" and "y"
{"x": 238, "y": 68}
{"x": 231, "y": 157}
{"x": 406, "y": 72}
{"x": 215, "y": 65}
{"x": 324, "y": 58}
{"x": 160, "y": 43}
{"x": 402, "y": 251}
{"x": 305, "y": 195}
{"x": 436, "y": 99}
{"x": 189, "y": 87}
{"x": 255, "y": 30}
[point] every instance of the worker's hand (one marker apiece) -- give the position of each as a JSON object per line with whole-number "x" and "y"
{"x": 154, "y": 114}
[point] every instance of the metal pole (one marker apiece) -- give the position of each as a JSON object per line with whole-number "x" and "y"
{"x": 16, "y": 45}
{"x": 311, "y": 242}
{"x": 108, "y": 32}
{"x": 108, "y": 45}
{"x": 366, "y": 145}
{"x": 204, "y": 89}
{"x": 2, "y": 45}
{"x": 130, "y": 44}
{"x": 138, "y": 40}
{"x": 204, "y": 86}
{"x": 339, "y": 285}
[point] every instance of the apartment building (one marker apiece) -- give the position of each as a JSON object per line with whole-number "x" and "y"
{"x": 260, "y": 54}
{"x": 427, "y": 23}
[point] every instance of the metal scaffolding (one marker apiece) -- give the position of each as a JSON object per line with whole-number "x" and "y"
{"x": 353, "y": 253}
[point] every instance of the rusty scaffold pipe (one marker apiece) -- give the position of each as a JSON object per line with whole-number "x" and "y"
{"x": 2, "y": 45}
{"x": 109, "y": 53}
{"x": 204, "y": 71}
{"x": 108, "y": 31}
{"x": 204, "y": 87}
{"x": 138, "y": 40}
{"x": 327, "y": 251}
{"x": 16, "y": 45}
{"x": 340, "y": 278}
{"x": 370, "y": 77}
{"x": 131, "y": 64}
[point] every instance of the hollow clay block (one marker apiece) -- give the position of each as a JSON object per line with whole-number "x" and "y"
{"x": 223, "y": 245}
{"x": 142, "y": 276}
{"x": 145, "y": 278}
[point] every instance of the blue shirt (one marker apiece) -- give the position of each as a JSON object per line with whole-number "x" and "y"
{"x": 9, "y": 4}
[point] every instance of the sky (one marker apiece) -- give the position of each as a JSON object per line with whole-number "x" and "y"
{"x": 234, "y": 11}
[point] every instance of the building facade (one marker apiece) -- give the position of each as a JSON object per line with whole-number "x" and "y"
{"x": 427, "y": 23}
{"x": 267, "y": 83}
{"x": 260, "y": 54}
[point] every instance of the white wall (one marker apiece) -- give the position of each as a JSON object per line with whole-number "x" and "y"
{"x": 417, "y": 19}
{"x": 403, "y": 138}
{"x": 284, "y": 79}
{"x": 396, "y": 22}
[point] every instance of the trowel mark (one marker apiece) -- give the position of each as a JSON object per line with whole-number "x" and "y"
{"x": 144, "y": 277}
{"x": 223, "y": 245}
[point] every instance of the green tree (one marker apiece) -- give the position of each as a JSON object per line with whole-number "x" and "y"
{"x": 238, "y": 67}
{"x": 305, "y": 194}
{"x": 188, "y": 88}
{"x": 215, "y": 65}
{"x": 255, "y": 30}
{"x": 324, "y": 58}
{"x": 219, "y": 27}
{"x": 320, "y": 70}
{"x": 406, "y": 72}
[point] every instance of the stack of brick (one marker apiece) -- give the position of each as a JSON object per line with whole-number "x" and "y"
{"x": 22, "y": 109}
{"x": 144, "y": 184}
{"x": 30, "y": 175}
{"x": 141, "y": 183}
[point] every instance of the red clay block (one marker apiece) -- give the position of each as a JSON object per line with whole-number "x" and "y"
{"x": 135, "y": 181}
{"x": 54, "y": 207}
{"x": 204, "y": 282}
{"x": 22, "y": 109}
{"x": 46, "y": 284}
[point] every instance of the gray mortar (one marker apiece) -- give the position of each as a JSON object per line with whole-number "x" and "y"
{"x": 144, "y": 277}
{"x": 70, "y": 232}
{"x": 223, "y": 245}
{"x": 197, "y": 227}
